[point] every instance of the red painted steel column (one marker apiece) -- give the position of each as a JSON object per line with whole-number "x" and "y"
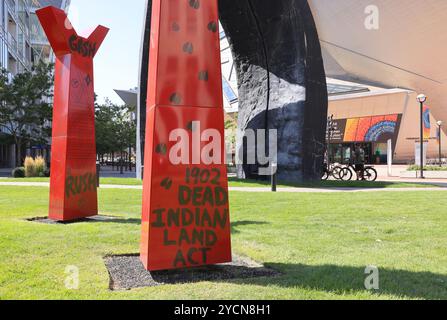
{"x": 185, "y": 215}
{"x": 73, "y": 192}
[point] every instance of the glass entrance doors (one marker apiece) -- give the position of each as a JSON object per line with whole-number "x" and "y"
{"x": 344, "y": 152}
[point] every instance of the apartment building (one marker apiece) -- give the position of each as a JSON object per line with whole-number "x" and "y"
{"x": 22, "y": 44}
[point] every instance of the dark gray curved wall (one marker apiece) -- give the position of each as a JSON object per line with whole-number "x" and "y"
{"x": 282, "y": 83}
{"x": 143, "y": 85}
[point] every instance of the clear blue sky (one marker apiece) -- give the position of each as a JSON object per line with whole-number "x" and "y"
{"x": 116, "y": 64}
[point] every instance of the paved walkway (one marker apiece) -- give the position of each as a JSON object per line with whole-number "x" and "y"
{"x": 251, "y": 189}
{"x": 440, "y": 182}
{"x": 337, "y": 190}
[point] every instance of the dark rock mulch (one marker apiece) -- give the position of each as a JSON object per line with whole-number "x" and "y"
{"x": 45, "y": 220}
{"x": 127, "y": 272}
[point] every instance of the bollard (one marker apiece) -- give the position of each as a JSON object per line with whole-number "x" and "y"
{"x": 274, "y": 177}
{"x": 98, "y": 173}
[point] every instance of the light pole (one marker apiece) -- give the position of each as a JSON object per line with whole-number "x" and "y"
{"x": 422, "y": 98}
{"x": 330, "y": 121}
{"x": 440, "y": 142}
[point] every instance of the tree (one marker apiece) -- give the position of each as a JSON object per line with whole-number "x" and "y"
{"x": 230, "y": 133}
{"x": 25, "y": 108}
{"x": 104, "y": 129}
{"x": 127, "y": 133}
{"x": 115, "y": 129}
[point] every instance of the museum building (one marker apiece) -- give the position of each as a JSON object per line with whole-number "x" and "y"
{"x": 384, "y": 67}
{"x": 362, "y": 114}
{"x": 371, "y": 117}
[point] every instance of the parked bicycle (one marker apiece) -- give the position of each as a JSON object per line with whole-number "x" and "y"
{"x": 367, "y": 174}
{"x": 333, "y": 170}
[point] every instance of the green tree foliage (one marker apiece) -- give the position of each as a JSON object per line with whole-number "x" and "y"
{"x": 231, "y": 131}
{"x": 25, "y": 106}
{"x": 115, "y": 128}
{"x": 104, "y": 123}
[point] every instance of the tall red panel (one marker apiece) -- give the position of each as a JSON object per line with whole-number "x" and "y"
{"x": 73, "y": 193}
{"x": 185, "y": 215}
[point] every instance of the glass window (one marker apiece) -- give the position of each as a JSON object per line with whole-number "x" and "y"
{"x": 228, "y": 91}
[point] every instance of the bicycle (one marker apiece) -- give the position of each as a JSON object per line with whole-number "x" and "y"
{"x": 368, "y": 173}
{"x": 332, "y": 171}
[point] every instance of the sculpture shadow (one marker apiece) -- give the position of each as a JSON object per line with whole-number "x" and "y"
{"x": 237, "y": 224}
{"x": 98, "y": 219}
{"x": 122, "y": 221}
{"x": 332, "y": 184}
{"x": 344, "y": 280}
{"x": 137, "y": 221}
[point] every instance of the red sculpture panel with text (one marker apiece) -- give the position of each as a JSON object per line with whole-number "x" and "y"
{"x": 186, "y": 220}
{"x": 73, "y": 192}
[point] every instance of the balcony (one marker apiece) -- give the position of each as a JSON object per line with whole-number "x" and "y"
{"x": 12, "y": 5}
{"x": 12, "y": 42}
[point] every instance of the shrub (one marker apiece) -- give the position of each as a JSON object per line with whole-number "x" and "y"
{"x": 39, "y": 167}
{"x": 35, "y": 167}
{"x": 18, "y": 172}
{"x": 30, "y": 170}
{"x": 427, "y": 168}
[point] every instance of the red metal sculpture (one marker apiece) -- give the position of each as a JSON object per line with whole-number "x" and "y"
{"x": 185, "y": 200}
{"x": 73, "y": 192}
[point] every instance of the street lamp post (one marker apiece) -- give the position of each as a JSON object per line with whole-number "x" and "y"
{"x": 440, "y": 142}
{"x": 422, "y": 98}
{"x": 330, "y": 121}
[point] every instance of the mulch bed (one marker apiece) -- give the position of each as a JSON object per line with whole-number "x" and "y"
{"x": 127, "y": 272}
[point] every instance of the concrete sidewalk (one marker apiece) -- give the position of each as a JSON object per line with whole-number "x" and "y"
{"x": 438, "y": 182}
{"x": 382, "y": 172}
{"x": 106, "y": 172}
{"x": 336, "y": 190}
{"x": 250, "y": 189}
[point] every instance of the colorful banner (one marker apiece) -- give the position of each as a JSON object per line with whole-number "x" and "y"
{"x": 427, "y": 124}
{"x": 366, "y": 129}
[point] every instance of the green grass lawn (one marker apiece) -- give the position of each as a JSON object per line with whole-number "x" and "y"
{"x": 233, "y": 182}
{"x": 320, "y": 242}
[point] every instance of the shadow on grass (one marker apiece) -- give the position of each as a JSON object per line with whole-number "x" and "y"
{"x": 122, "y": 221}
{"x": 334, "y": 184}
{"x": 137, "y": 221}
{"x": 344, "y": 279}
{"x": 95, "y": 219}
{"x": 237, "y": 224}
{"x": 234, "y": 225}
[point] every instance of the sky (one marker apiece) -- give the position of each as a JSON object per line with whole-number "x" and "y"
{"x": 117, "y": 61}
